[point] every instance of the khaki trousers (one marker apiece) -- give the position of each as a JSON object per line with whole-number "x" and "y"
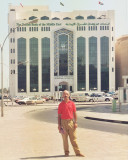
{"x": 70, "y": 131}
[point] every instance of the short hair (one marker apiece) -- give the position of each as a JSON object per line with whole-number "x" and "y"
{"x": 66, "y": 91}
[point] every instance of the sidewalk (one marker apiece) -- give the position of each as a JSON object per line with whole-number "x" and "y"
{"x": 28, "y": 139}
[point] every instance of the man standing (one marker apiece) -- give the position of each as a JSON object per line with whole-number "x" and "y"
{"x": 67, "y": 124}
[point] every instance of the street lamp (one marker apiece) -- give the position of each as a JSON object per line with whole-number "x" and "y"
{"x": 1, "y": 46}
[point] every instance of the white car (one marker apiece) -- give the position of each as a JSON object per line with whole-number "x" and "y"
{"x": 98, "y": 98}
{"x": 23, "y": 101}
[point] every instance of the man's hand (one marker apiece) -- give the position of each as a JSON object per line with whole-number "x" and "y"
{"x": 75, "y": 125}
{"x": 59, "y": 127}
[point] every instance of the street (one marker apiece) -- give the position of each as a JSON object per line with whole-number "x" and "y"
{"x": 50, "y": 115}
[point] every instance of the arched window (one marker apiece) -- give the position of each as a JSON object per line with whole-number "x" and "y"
{"x": 44, "y": 18}
{"x": 92, "y": 63}
{"x": 33, "y": 64}
{"x": 45, "y": 51}
{"x": 81, "y": 64}
{"x": 55, "y": 18}
{"x": 104, "y": 54}
{"x": 91, "y": 17}
{"x": 66, "y": 18}
{"x": 79, "y": 17}
{"x": 32, "y": 17}
{"x": 21, "y": 51}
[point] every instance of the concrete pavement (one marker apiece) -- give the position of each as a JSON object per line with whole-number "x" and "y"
{"x": 23, "y": 138}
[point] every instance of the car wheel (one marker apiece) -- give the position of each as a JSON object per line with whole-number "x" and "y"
{"x": 91, "y": 100}
{"x": 107, "y": 100}
{"x": 20, "y": 103}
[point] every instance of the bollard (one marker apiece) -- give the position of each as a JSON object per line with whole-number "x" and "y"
{"x": 114, "y": 105}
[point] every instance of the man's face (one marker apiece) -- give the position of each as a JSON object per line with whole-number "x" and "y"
{"x": 66, "y": 95}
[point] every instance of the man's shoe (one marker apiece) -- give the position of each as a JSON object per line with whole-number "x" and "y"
{"x": 80, "y": 155}
{"x": 66, "y": 155}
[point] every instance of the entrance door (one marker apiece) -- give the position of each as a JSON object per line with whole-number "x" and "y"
{"x": 63, "y": 86}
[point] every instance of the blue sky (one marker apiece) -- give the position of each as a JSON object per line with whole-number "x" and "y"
{"x": 120, "y": 7}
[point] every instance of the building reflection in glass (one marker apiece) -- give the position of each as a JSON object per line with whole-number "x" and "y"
{"x": 81, "y": 63}
{"x": 33, "y": 64}
{"x": 45, "y": 64}
{"x": 21, "y": 45}
{"x": 104, "y": 44}
{"x": 92, "y": 63}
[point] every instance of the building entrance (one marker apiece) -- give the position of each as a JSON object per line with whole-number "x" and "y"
{"x": 63, "y": 86}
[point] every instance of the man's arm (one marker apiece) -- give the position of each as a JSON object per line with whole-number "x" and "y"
{"x": 75, "y": 119}
{"x": 59, "y": 121}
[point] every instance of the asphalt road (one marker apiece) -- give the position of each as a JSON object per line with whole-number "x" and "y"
{"x": 50, "y": 116}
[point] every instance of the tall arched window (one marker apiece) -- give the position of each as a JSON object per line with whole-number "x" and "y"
{"x": 104, "y": 51}
{"x": 21, "y": 52}
{"x": 81, "y": 64}
{"x": 33, "y": 64}
{"x": 93, "y": 63}
{"x": 45, "y": 45}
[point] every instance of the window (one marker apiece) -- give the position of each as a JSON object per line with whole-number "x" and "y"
{"x": 104, "y": 51}
{"x": 55, "y": 88}
{"x": 66, "y": 18}
{"x": 45, "y": 46}
{"x": 32, "y": 18}
{"x": 44, "y": 18}
{"x": 33, "y": 64}
{"x": 79, "y": 17}
{"x": 12, "y": 9}
{"x": 81, "y": 64}
{"x": 112, "y": 69}
{"x": 112, "y": 38}
{"x": 91, "y": 17}
{"x": 21, "y": 54}
{"x": 92, "y": 63}
{"x": 55, "y": 18}
{"x": 112, "y": 28}
{"x": 35, "y": 9}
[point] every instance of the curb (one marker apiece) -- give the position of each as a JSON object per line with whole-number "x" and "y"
{"x": 107, "y": 120}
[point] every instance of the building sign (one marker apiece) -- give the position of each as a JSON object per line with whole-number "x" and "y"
{"x": 60, "y": 24}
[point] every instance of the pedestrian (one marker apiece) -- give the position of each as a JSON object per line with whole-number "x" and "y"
{"x": 67, "y": 124}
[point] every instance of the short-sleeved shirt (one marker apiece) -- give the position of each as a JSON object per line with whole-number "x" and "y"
{"x": 66, "y": 109}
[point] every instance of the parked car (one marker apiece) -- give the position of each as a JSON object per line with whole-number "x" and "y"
{"x": 35, "y": 101}
{"x": 98, "y": 98}
{"x": 23, "y": 101}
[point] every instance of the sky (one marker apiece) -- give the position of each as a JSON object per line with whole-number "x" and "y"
{"x": 119, "y": 6}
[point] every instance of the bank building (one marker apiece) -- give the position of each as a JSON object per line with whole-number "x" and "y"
{"x": 53, "y": 51}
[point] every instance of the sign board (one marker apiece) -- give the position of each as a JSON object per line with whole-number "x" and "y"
{"x": 123, "y": 94}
